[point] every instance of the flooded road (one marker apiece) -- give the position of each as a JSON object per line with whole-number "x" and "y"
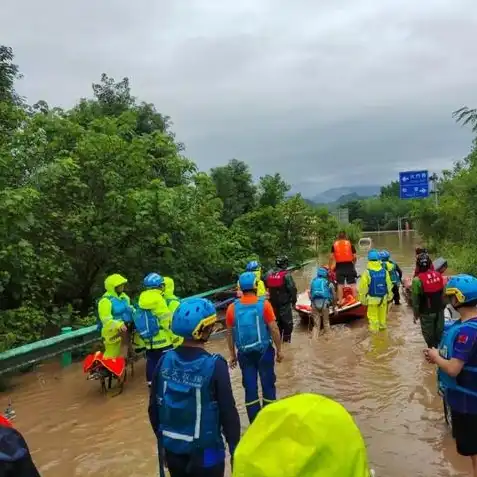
{"x": 382, "y": 380}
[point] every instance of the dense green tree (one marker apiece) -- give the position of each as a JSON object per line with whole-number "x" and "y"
{"x": 272, "y": 190}
{"x": 234, "y": 185}
{"x": 103, "y": 188}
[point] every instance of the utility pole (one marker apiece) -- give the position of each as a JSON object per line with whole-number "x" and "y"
{"x": 434, "y": 179}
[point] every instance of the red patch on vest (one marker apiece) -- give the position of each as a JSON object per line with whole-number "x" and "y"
{"x": 462, "y": 339}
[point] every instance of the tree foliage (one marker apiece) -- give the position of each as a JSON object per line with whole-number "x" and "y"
{"x": 104, "y": 187}
{"x": 449, "y": 227}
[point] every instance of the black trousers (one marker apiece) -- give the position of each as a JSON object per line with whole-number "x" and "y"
{"x": 284, "y": 316}
{"x": 184, "y": 466}
{"x": 396, "y": 295}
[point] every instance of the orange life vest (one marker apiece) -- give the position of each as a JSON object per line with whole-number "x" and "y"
{"x": 5, "y": 422}
{"x": 343, "y": 251}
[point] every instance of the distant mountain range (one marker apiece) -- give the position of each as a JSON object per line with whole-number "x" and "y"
{"x": 338, "y": 194}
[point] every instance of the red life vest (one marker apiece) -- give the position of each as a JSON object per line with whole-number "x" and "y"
{"x": 432, "y": 281}
{"x": 277, "y": 279}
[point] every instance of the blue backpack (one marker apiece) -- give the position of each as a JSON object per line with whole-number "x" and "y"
{"x": 250, "y": 330}
{"x": 320, "y": 288}
{"x": 120, "y": 311}
{"x": 378, "y": 287}
{"x": 188, "y": 415}
{"x": 446, "y": 348}
{"x": 146, "y": 323}
{"x": 393, "y": 273}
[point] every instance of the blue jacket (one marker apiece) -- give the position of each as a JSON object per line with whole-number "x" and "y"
{"x": 446, "y": 349}
{"x": 220, "y": 411}
{"x": 15, "y": 458}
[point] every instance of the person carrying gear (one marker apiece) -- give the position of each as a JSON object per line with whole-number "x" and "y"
{"x": 343, "y": 254}
{"x": 191, "y": 401}
{"x": 322, "y": 296}
{"x": 305, "y": 435}
{"x": 428, "y": 300}
{"x": 283, "y": 295}
{"x": 375, "y": 290}
{"x": 251, "y": 328}
{"x": 153, "y": 322}
{"x": 457, "y": 362}
{"x": 419, "y": 251}
{"x": 172, "y": 303}
{"x": 15, "y": 457}
{"x": 256, "y": 268}
{"x": 114, "y": 312}
{"x": 395, "y": 274}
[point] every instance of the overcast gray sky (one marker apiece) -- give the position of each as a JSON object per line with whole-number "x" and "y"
{"x": 326, "y": 92}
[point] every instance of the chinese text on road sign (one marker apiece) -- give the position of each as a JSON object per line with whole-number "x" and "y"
{"x": 414, "y": 184}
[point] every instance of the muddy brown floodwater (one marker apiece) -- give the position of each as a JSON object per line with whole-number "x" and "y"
{"x": 382, "y": 380}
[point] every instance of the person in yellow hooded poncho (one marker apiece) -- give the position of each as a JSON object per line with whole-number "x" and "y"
{"x": 376, "y": 291}
{"x": 256, "y": 268}
{"x": 306, "y": 435}
{"x": 153, "y": 322}
{"x": 172, "y": 302}
{"x": 114, "y": 311}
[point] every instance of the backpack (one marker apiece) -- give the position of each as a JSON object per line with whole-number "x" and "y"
{"x": 378, "y": 287}
{"x": 320, "y": 288}
{"x": 146, "y": 323}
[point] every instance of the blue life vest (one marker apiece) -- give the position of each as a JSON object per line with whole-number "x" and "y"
{"x": 320, "y": 288}
{"x": 446, "y": 347}
{"x": 250, "y": 330}
{"x": 393, "y": 273}
{"x": 378, "y": 287}
{"x": 146, "y": 323}
{"x": 120, "y": 310}
{"x": 188, "y": 415}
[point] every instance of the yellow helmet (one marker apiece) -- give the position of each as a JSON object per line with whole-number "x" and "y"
{"x": 306, "y": 435}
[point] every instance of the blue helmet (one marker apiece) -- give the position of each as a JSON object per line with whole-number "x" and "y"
{"x": 373, "y": 255}
{"x": 192, "y": 316}
{"x": 322, "y": 272}
{"x": 463, "y": 287}
{"x": 153, "y": 280}
{"x": 247, "y": 281}
{"x": 385, "y": 255}
{"x": 253, "y": 266}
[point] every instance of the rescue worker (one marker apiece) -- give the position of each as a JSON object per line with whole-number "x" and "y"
{"x": 427, "y": 290}
{"x": 305, "y": 435}
{"x": 153, "y": 322}
{"x": 457, "y": 362}
{"x": 114, "y": 312}
{"x": 256, "y": 268}
{"x": 375, "y": 290}
{"x": 15, "y": 457}
{"x": 322, "y": 296}
{"x": 395, "y": 274}
{"x": 283, "y": 295}
{"x": 419, "y": 251}
{"x": 251, "y": 328}
{"x": 172, "y": 302}
{"x": 343, "y": 254}
{"x": 191, "y": 401}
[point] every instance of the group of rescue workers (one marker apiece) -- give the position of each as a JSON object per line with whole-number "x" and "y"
{"x": 192, "y": 406}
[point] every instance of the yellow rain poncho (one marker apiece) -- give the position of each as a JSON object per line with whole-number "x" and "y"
{"x": 306, "y": 435}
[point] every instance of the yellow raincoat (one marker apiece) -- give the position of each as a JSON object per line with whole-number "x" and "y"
{"x": 154, "y": 301}
{"x": 110, "y": 331}
{"x": 377, "y": 307}
{"x": 306, "y": 435}
{"x": 172, "y": 302}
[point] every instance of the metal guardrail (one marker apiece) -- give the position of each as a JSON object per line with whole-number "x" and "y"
{"x": 29, "y": 354}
